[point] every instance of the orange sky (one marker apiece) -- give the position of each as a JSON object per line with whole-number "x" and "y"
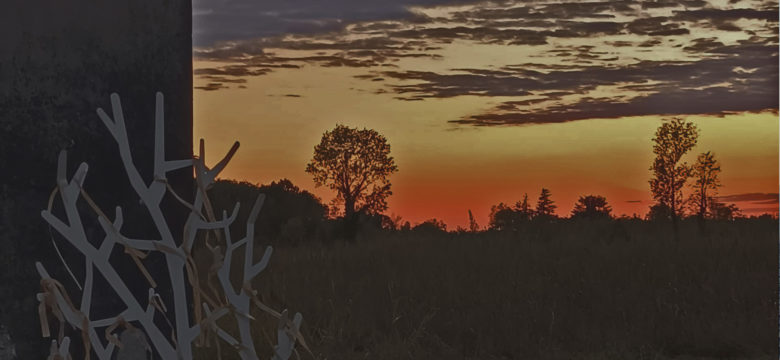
{"x": 277, "y": 95}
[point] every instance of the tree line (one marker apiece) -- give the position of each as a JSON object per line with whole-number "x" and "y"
{"x": 670, "y": 175}
{"x": 356, "y": 164}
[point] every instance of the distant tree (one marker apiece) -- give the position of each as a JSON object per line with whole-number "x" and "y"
{"x": 369, "y": 224}
{"x": 502, "y": 217}
{"x": 591, "y": 207}
{"x": 706, "y": 182}
{"x": 473, "y": 226}
{"x": 431, "y": 225}
{"x": 721, "y": 211}
{"x": 659, "y": 212}
{"x": 357, "y": 164}
{"x": 523, "y": 209}
{"x": 292, "y": 214}
{"x": 395, "y": 222}
{"x": 389, "y": 223}
{"x": 545, "y": 207}
{"x": 672, "y": 140}
{"x": 406, "y": 226}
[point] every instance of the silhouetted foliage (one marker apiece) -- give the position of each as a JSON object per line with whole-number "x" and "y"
{"x": 502, "y": 217}
{"x": 292, "y": 215}
{"x": 705, "y": 186}
{"x": 376, "y": 221}
{"x": 659, "y": 212}
{"x": 721, "y": 211}
{"x": 431, "y": 225}
{"x": 357, "y": 164}
{"x": 406, "y": 226}
{"x": 473, "y": 226}
{"x": 591, "y": 207}
{"x": 523, "y": 209}
{"x": 672, "y": 140}
{"x": 545, "y": 207}
{"x": 393, "y": 222}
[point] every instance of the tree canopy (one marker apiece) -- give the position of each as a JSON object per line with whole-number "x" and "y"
{"x": 292, "y": 215}
{"x": 672, "y": 140}
{"x": 545, "y": 207}
{"x": 705, "y": 185}
{"x": 592, "y": 207}
{"x": 357, "y": 165}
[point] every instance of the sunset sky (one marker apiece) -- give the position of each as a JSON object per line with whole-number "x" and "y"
{"x": 482, "y": 102}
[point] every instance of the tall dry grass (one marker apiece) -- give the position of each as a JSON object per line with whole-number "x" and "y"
{"x": 569, "y": 290}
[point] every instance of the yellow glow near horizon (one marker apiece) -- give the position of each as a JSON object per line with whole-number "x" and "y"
{"x": 445, "y": 170}
{"x": 492, "y": 67}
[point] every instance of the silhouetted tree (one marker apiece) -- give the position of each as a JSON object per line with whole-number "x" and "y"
{"x": 431, "y": 225}
{"x": 721, "y": 211}
{"x": 523, "y": 209}
{"x": 473, "y": 226}
{"x": 357, "y": 164}
{"x": 502, "y": 217}
{"x": 659, "y": 212}
{"x": 395, "y": 222}
{"x": 591, "y": 207}
{"x": 545, "y": 207}
{"x": 292, "y": 214}
{"x": 672, "y": 140}
{"x": 705, "y": 185}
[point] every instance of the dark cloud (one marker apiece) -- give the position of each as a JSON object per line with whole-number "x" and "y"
{"x": 591, "y": 28}
{"x": 763, "y": 202}
{"x": 655, "y": 26}
{"x": 519, "y": 81}
{"x": 585, "y": 9}
{"x": 760, "y": 210}
{"x": 212, "y": 86}
{"x": 250, "y": 59}
{"x": 723, "y": 19}
{"x": 719, "y": 84}
{"x": 232, "y": 70}
{"x": 225, "y": 80}
{"x": 650, "y": 43}
{"x": 704, "y": 45}
{"x": 215, "y": 21}
{"x": 671, "y": 102}
{"x": 726, "y": 14}
{"x": 480, "y": 34}
{"x": 762, "y": 197}
{"x": 221, "y": 21}
{"x": 671, "y": 4}
{"x": 716, "y": 76}
{"x": 437, "y": 85}
{"x": 257, "y": 47}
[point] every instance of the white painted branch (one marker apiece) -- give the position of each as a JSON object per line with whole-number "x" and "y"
{"x": 97, "y": 258}
{"x": 60, "y": 351}
{"x": 285, "y": 335}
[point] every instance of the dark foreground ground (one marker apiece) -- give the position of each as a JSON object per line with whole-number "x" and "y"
{"x": 585, "y": 290}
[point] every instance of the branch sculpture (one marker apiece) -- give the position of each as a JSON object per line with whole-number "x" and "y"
{"x": 137, "y": 319}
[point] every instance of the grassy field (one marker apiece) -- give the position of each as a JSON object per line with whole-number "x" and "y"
{"x": 568, "y": 290}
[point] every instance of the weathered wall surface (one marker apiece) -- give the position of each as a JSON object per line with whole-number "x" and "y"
{"x": 59, "y": 61}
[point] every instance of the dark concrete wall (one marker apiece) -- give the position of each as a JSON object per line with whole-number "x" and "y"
{"x": 59, "y": 61}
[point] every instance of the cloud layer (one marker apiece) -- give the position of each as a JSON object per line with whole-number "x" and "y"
{"x": 574, "y": 60}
